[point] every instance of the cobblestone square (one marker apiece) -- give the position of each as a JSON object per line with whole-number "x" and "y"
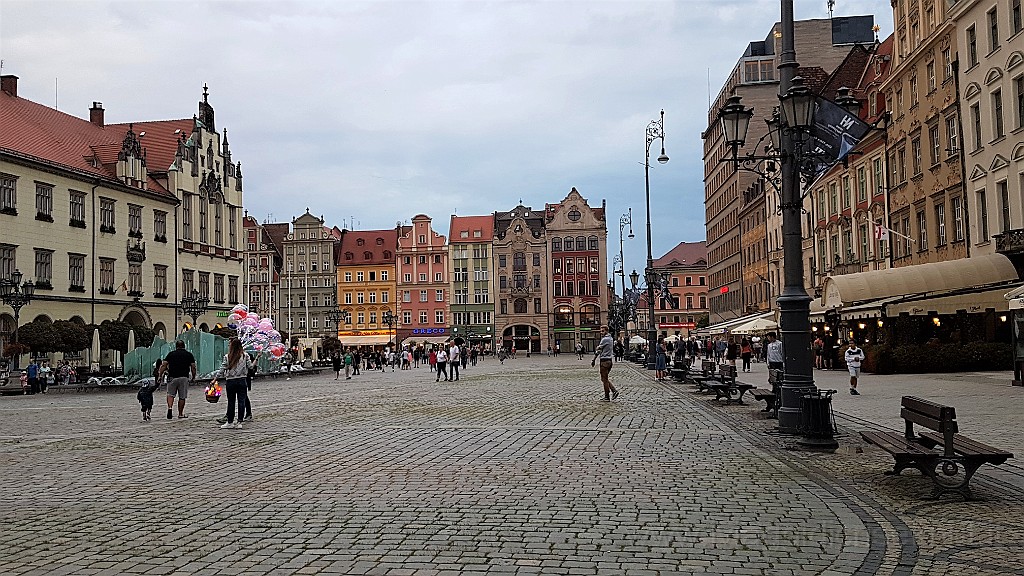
{"x": 518, "y": 468}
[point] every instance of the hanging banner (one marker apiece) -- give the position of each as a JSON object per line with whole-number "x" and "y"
{"x": 834, "y": 134}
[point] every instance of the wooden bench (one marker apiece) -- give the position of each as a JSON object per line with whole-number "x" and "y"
{"x": 772, "y": 395}
{"x": 681, "y": 369}
{"x": 957, "y": 458}
{"x": 705, "y": 377}
{"x": 727, "y": 387}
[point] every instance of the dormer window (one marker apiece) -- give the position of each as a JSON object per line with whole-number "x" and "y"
{"x": 349, "y": 256}
{"x": 360, "y": 242}
{"x": 380, "y": 241}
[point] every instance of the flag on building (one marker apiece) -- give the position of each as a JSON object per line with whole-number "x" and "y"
{"x": 124, "y": 286}
{"x": 881, "y": 232}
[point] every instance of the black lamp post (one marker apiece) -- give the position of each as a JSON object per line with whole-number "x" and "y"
{"x": 195, "y": 305}
{"x": 634, "y": 279}
{"x": 334, "y": 317}
{"x": 390, "y": 319}
{"x": 16, "y": 294}
{"x": 655, "y": 131}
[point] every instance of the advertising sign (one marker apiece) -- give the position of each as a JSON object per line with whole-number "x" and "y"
{"x": 834, "y": 134}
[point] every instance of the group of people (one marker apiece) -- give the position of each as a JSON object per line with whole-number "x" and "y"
{"x": 39, "y": 375}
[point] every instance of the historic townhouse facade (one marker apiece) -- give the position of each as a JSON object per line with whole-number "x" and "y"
{"x": 422, "y": 283}
{"x": 991, "y": 91}
{"x": 263, "y": 261}
{"x": 520, "y": 263}
{"x": 578, "y": 246}
{"x": 925, "y": 149}
{"x": 95, "y": 214}
{"x": 308, "y": 288}
{"x": 366, "y": 286}
{"x": 472, "y": 290}
{"x": 685, "y": 270}
{"x": 736, "y": 217}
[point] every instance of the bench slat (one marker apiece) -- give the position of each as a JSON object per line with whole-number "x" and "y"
{"x": 968, "y": 446}
{"x": 928, "y": 408}
{"x": 928, "y": 421}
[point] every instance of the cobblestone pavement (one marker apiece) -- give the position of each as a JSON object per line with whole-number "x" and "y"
{"x": 518, "y": 468}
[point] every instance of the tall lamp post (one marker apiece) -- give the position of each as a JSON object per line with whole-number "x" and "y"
{"x": 390, "y": 319}
{"x": 16, "y": 294}
{"x": 334, "y": 317}
{"x": 194, "y": 305}
{"x": 790, "y": 132}
{"x": 625, "y": 220}
{"x": 655, "y": 131}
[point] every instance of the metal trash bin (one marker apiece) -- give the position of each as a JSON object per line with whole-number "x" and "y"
{"x": 817, "y": 418}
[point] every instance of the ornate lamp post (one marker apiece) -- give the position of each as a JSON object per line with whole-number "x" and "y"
{"x": 390, "y": 319}
{"x": 655, "y": 131}
{"x": 194, "y": 305}
{"x": 334, "y": 317}
{"x": 16, "y": 294}
{"x": 624, "y": 220}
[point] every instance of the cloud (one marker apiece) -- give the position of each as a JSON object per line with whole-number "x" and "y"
{"x": 381, "y": 110}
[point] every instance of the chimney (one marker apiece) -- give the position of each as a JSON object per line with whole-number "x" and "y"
{"x": 9, "y": 84}
{"x": 96, "y": 114}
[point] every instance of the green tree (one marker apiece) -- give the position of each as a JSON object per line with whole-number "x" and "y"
{"x": 330, "y": 344}
{"x": 703, "y": 320}
{"x": 40, "y": 336}
{"x": 73, "y": 336}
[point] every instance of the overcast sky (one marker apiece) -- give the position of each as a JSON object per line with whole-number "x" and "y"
{"x": 377, "y": 111}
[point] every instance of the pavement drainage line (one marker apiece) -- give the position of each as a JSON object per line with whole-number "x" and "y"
{"x": 877, "y": 543}
{"x": 983, "y": 476}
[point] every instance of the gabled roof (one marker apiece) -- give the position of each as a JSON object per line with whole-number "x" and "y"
{"x": 376, "y": 242}
{"x": 160, "y": 141}
{"x": 849, "y": 72}
{"x": 46, "y": 135}
{"x": 685, "y": 254}
{"x": 477, "y": 229}
{"x": 277, "y": 232}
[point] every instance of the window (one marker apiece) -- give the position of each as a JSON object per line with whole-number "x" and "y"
{"x": 76, "y": 272}
{"x": 502, "y": 260}
{"x": 406, "y": 296}
{"x": 947, "y": 64}
{"x": 77, "y": 209}
{"x": 107, "y": 215}
{"x": 160, "y": 282}
{"x": 218, "y": 288}
{"x": 44, "y": 202}
{"x": 1004, "y": 205}
{"x": 1015, "y": 20}
{"x": 1018, "y": 84}
{"x": 135, "y": 220}
{"x": 437, "y": 259}
{"x": 952, "y": 141}
{"x": 570, "y": 265}
{"x": 360, "y": 298}
{"x": 983, "y": 216}
{"x": 922, "y": 231}
{"x": 568, "y": 243}
{"x": 906, "y": 236}
{"x": 423, "y": 276}
{"x": 438, "y": 316}
{"x": 407, "y": 277}
{"x": 933, "y": 144}
{"x": 406, "y": 317}
{"x": 439, "y": 295}
{"x": 862, "y": 234}
{"x": 359, "y": 276}
{"x": 593, "y": 265}
{"x": 972, "y": 47}
{"x": 233, "y": 241}
{"x": 204, "y": 205}
{"x": 372, "y": 297}
{"x": 958, "y": 218}
{"x": 976, "y": 124}
{"x": 846, "y": 192}
{"x": 107, "y": 277}
{"x": 186, "y": 282}
{"x": 901, "y": 164}
{"x": 689, "y": 301}
{"x": 134, "y": 279}
{"x": 423, "y": 296}
{"x": 592, "y": 243}
{"x": 581, "y": 243}
{"x": 862, "y": 184}
{"x": 940, "y": 224}
{"x": 997, "y": 113}
{"x": 993, "y": 30}
{"x": 204, "y": 284}
{"x": 915, "y": 153}
{"x": 821, "y": 204}
{"x": 930, "y": 68}
{"x": 44, "y": 268}
{"x": 913, "y": 91}
{"x": 481, "y": 296}
{"x": 833, "y": 198}
{"x": 160, "y": 225}
{"x": 519, "y": 306}
{"x": 8, "y": 194}
{"x": 423, "y": 316}
{"x": 556, "y": 244}
{"x": 423, "y": 239}
{"x": 703, "y": 302}
{"x": 558, "y": 288}
{"x": 438, "y": 277}
{"x": 384, "y": 297}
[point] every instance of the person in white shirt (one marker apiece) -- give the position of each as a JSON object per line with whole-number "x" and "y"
{"x": 455, "y": 355}
{"x": 442, "y": 360}
{"x": 605, "y": 353}
{"x": 854, "y": 356}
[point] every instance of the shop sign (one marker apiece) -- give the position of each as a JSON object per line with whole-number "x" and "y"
{"x": 426, "y": 331}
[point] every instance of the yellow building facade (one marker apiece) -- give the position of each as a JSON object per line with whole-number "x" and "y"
{"x": 366, "y": 287}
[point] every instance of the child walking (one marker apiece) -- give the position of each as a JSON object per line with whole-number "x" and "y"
{"x": 145, "y": 397}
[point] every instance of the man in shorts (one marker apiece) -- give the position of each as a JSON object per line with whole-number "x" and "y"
{"x": 180, "y": 367}
{"x": 854, "y": 356}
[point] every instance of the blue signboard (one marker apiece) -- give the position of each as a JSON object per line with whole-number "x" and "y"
{"x": 422, "y": 331}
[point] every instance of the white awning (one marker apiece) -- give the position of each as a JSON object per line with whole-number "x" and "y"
{"x": 728, "y": 325}
{"x": 921, "y": 279}
{"x": 971, "y": 302}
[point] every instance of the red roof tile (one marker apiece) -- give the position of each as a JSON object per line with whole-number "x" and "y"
{"x": 684, "y": 254}
{"x": 160, "y": 141}
{"x": 376, "y": 242}
{"x": 470, "y": 225}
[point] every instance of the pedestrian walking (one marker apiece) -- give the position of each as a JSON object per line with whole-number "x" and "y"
{"x": 854, "y": 356}
{"x": 660, "y": 360}
{"x": 579, "y": 351}
{"x": 441, "y": 360}
{"x": 180, "y": 368}
{"x": 605, "y": 353}
{"x": 33, "y": 377}
{"x": 348, "y": 365}
{"x": 356, "y": 358}
{"x": 774, "y": 354}
{"x": 336, "y": 364}
{"x": 732, "y": 351}
{"x": 455, "y": 358}
{"x": 233, "y": 371}
{"x": 819, "y": 357}
{"x": 746, "y": 353}
{"x": 145, "y": 397}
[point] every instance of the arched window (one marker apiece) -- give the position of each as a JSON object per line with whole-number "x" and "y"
{"x": 556, "y": 244}
{"x": 360, "y": 242}
{"x": 563, "y": 316}
{"x": 367, "y": 255}
{"x": 519, "y": 261}
{"x": 349, "y": 256}
{"x": 592, "y": 243}
{"x": 519, "y": 306}
{"x": 581, "y": 243}
{"x": 590, "y": 314}
{"x": 387, "y": 254}
{"x": 567, "y": 243}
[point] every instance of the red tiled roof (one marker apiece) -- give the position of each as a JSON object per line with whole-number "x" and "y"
{"x": 41, "y": 133}
{"x": 374, "y": 241}
{"x": 160, "y": 141}
{"x": 684, "y": 254}
{"x": 277, "y": 232}
{"x": 471, "y": 224}
{"x": 849, "y": 72}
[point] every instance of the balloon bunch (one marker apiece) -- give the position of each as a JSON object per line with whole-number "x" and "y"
{"x": 257, "y": 334}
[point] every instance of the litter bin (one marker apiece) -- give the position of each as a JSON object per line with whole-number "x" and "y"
{"x": 817, "y": 420}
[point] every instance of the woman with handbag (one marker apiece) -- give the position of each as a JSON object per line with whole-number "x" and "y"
{"x": 234, "y": 371}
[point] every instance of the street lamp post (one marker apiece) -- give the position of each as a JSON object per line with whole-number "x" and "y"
{"x": 334, "y": 317}
{"x": 390, "y": 319}
{"x": 655, "y": 131}
{"x": 194, "y": 305}
{"x": 624, "y": 220}
{"x": 16, "y": 294}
